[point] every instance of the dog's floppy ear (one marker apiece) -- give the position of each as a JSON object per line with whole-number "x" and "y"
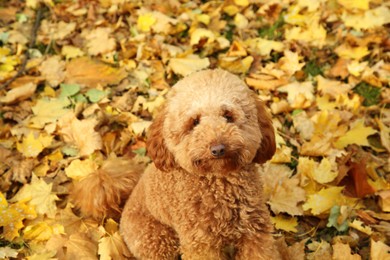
{"x": 268, "y": 145}
{"x": 155, "y": 145}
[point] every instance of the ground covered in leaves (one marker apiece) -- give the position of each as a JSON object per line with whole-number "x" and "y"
{"x": 81, "y": 80}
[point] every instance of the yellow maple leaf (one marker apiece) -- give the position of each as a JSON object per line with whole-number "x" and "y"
{"x": 79, "y": 169}
{"x": 299, "y": 94}
{"x": 241, "y": 2}
{"x": 12, "y": 216}
{"x": 369, "y": 19}
{"x": 323, "y": 200}
{"x": 145, "y": 22}
{"x": 240, "y": 21}
{"x": 113, "y": 247}
{"x": 285, "y": 223}
{"x": 39, "y": 194}
{"x": 42, "y": 231}
{"x": 359, "y": 225}
{"x": 71, "y": 52}
{"x": 347, "y": 52}
{"x": 80, "y": 133}
{"x": 48, "y": 111}
{"x": 31, "y": 146}
{"x": 355, "y": 68}
{"x": 342, "y": 251}
{"x": 356, "y": 135}
{"x": 290, "y": 62}
{"x": 201, "y": 33}
{"x": 7, "y": 62}
{"x": 314, "y": 34}
{"x": 231, "y": 10}
{"x": 323, "y": 172}
{"x": 263, "y": 46}
{"x": 352, "y": 4}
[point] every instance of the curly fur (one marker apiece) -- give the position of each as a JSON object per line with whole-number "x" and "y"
{"x": 103, "y": 193}
{"x": 194, "y": 203}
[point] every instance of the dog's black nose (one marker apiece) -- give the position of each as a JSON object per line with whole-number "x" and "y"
{"x": 217, "y": 150}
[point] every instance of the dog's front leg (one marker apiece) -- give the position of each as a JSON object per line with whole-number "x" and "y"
{"x": 257, "y": 246}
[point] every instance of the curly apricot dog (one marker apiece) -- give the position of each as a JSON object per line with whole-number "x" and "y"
{"x": 203, "y": 193}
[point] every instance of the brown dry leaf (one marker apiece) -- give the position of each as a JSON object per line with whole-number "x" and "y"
{"x": 51, "y": 31}
{"x": 80, "y": 246}
{"x": 57, "y": 243}
{"x": 343, "y": 252}
{"x": 91, "y": 73}
{"x": 264, "y": 82}
{"x": 294, "y": 252}
{"x": 384, "y": 200}
{"x": 188, "y": 65}
{"x": 332, "y": 87}
{"x": 319, "y": 251}
{"x": 72, "y": 223}
{"x": 53, "y": 70}
{"x": 19, "y": 93}
{"x": 340, "y": 69}
{"x": 80, "y": 133}
{"x": 379, "y": 250}
{"x": 99, "y": 41}
{"x": 8, "y": 14}
{"x": 282, "y": 191}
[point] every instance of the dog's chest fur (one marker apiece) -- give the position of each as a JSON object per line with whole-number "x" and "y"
{"x": 229, "y": 206}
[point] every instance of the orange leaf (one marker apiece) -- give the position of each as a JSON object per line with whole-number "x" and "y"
{"x": 356, "y": 181}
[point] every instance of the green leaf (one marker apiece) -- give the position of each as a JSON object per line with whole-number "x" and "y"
{"x": 4, "y": 37}
{"x": 68, "y": 90}
{"x": 70, "y": 151}
{"x": 21, "y": 18}
{"x": 296, "y": 112}
{"x": 95, "y": 95}
{"x": 332, "y": 220}
{"x": 79, "y": 98}
{"x": 370, "y": 93}
{"x": 140, "y": 151}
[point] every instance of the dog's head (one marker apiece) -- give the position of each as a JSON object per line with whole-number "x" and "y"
{"x": 212, "y": 122}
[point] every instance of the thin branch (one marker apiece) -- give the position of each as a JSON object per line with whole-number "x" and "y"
{"x": 34, "y": 31}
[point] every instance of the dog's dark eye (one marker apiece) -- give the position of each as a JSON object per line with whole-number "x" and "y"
{"x": 195, "y": 122}
{"x": 228, "y": 116}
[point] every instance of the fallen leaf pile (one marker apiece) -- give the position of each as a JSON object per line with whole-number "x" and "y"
{"x": 98, "y": 72}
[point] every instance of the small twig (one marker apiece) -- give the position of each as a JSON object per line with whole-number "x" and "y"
{"x": 34, "y": 31}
